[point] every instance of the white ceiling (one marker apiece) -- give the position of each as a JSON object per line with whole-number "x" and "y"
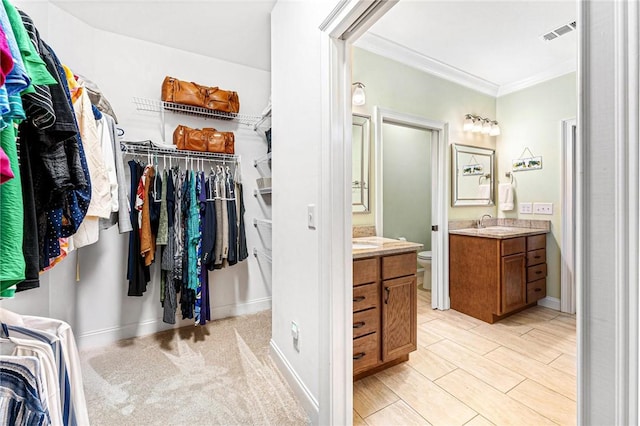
{"x": 234, "y": 30}
{"x": 492, "y": 46}
{"x": 493, "y": 42}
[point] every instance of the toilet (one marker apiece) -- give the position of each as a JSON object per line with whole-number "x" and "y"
{"x": 424, "y": 259}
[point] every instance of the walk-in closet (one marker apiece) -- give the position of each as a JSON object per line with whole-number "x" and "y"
{"x": 142, "y": 292}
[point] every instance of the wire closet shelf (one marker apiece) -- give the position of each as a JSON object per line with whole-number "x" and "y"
{"x": 154, "y": 105}
{"x": 149, "y": 150}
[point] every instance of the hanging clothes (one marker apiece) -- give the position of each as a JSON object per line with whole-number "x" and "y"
{"x": 232, "y": 256}
{"x": 52, "y": 344}
{"x": 21, "y": 392}
{"x": 137, "y": 272}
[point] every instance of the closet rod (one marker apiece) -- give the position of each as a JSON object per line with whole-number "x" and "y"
{"x": 177, "y": 154}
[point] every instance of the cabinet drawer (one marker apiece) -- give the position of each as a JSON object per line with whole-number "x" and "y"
{"x": 536, "y": 290}
{"x": 365, "y": 271}
{"x": 365, "y": 322}
{"x": 512, "y": 246}
{"x": 399, "y": 265}
{"x": 365, "y": 352}
{"x": 536, "y": 242}
{"x": 365, "y": 297}
{"x": 536, "y": 272}
{"x": 536, "y": 257}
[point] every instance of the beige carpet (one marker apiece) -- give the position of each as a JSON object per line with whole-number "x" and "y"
{"x": 218, "y": 374}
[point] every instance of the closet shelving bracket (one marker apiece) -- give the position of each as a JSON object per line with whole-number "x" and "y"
{"x": 261, "y": 191}
{"x": 262, "y": 159}
{"x": 266, "y": 222}
{"x": 260, "y": 253}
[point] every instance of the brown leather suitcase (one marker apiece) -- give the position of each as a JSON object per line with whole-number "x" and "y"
{"x": 189, "y": 93}
{"x": 204, "y": 140}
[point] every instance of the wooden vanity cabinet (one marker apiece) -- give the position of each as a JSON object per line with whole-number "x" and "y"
{"x": 384, "y": 311}
{"x": 492, "y": 278}
{"x": 513, "y": 288}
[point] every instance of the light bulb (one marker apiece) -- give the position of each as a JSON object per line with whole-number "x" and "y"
{"x": 358, "y": 96}
{"x": 486, "y": 127}
{"x": 495, "y": 129}
{"x": 468, "y": 123}
{"x": 477, "y": 126}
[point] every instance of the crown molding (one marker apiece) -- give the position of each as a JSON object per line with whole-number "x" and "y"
{"x": 558, "y": 70}
{"x": 389, "y": 49}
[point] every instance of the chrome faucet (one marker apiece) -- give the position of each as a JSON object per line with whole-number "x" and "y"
{"x": 481, "y": 221}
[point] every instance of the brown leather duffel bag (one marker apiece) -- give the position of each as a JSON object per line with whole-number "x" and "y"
{"x": 189, "y": 93}
{"x": 204, "y": 140}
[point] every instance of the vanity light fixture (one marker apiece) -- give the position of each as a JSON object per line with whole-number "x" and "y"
{"x": 477, "y": 124}
{"x": 468, "y": 123}
{"x": 358, "y": 96}
{"x": 486, "y": 126}
{"x": 495, "y": 129}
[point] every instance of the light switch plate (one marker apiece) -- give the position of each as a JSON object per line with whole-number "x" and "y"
{"x": 311, "y": 216}
{"x": 526, "y": 208}
{"x": 543, "y": 208}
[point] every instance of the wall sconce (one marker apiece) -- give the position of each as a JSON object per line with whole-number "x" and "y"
{"x": 358, "y": 96}
{"x": 477, "y": 124}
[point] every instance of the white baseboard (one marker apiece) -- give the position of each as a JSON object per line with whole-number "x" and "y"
{"x": 308, "y": 402}
{"x": 550, "y": 302}
{"x": 109, "y": 335}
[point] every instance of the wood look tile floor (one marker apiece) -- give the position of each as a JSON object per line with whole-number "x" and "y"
{"x": 521, "y": 370}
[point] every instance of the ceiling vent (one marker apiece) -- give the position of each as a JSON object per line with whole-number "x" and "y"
{"x": 565, "y": 29}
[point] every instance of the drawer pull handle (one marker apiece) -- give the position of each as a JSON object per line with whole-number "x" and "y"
{"x": 359, "y": 324}
{"x": 387, "y": 290}
{"x": 358, "y": 356}
{"x": 359, "y": 299}
{"x": 538, "y": 272}
{"x": 538, "y": 289}
{"x": 537, "y": 257}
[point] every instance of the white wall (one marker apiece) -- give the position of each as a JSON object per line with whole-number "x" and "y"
{"x": 296, "y": 85}
{"x": 97, "y": 306}
{"x": 532, "y": 118}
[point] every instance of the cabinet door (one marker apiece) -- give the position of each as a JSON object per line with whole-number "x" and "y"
{"x": 513, "y": 292}
{"x": 399, "y": 317}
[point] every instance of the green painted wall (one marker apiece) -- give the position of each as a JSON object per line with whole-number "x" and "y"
{"x": 406, "y": 186}
{"x": 390, "y": 84}
{"x": 532, "y": 118}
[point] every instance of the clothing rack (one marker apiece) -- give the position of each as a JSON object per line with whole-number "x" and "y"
{"x": 146, "y": 150}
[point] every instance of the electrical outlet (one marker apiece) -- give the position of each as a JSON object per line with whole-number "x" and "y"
{"x": 295, "y": 333}
{"x": 526, "y": 208}
{"x": 543, "y": 208}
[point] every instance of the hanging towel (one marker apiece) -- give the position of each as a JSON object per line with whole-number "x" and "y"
{"x": 505, "y": 197}
{"x": 484, "y": 191}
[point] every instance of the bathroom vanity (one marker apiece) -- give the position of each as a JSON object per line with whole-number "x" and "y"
{"x": 384, "y": 303}
{"x": 496, "y": 271}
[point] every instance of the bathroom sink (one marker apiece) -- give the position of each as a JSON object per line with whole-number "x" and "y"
{"x": 362, "y": 246}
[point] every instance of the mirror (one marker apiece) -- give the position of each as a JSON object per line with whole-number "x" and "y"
{"x": 361, "y": 143}
{"x": 473, "y": 182}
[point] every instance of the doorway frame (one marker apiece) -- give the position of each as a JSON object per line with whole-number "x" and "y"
{"x": 606, "y": 337}
{"x": 569, "y": 191}
{"x": 344, "y": 24}
{"x": 439, "y": 199}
